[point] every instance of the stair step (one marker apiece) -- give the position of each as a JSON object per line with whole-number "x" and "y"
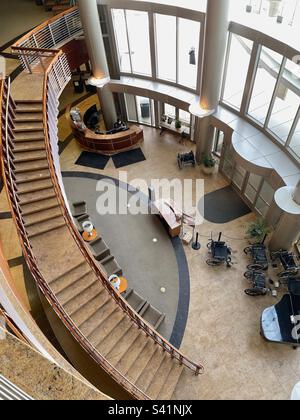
{"x": 124, "y": 345}
{"x": 28, "y": 101}
{"x": 34, "y": 136}
{"x": 67, "y": 279}
{"x": 33, "y": 186}
{"x": 35, "y": 208}
{"x": 43, "y": 216}
{"x": 160, "y": 378}
{"x": 169, "y": 386}
{"x": 21, "y": 157}
{"x": 28, "y": 108}
{"x": 105, "y": 328}
{"x": 100, "y": 315}
{"x": 136, "y": 352}
{"x": 85, "y": 310}
{"x": 26, "y": 146}
{"x": 140, "y": 363}
{"x": 82, "y": 291}
{"x": 45, "y": 227}
{"x": 110, "y": 341}
{"x": 28, "y": 117}
{"x": 32, "y": 176}
{"x": 23, "y": 127}
{"x": 24, "y": 167}
{"x": 36, "y": 196}
{"x": 147, "y": 375}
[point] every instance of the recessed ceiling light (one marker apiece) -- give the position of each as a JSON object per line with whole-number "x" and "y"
{"x": 155, "y": 240}
{"x": 163, "y": 290}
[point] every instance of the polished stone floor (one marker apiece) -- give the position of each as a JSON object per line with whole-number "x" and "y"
{"x": 223, "y": 329}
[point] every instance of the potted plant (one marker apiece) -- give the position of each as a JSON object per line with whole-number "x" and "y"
{"x": 208, "y": 164}
{"x": 178, "y": 124}
{"x": 257, "y": 231}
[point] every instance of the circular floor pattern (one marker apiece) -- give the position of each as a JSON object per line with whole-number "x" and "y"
{"x": 149, "y": 266}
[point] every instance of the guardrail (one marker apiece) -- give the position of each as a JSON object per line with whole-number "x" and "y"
{"x": 46, "y": 37}
{"x": 57, "y": 75}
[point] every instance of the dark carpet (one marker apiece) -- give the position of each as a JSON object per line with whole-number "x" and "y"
{"x": 92, "y": 160}
{"x": 223, "y": 206}
{"x": 128, "y": 158}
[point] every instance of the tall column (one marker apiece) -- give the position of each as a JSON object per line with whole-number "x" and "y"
{"x": 287, "y": 231}
{"x": 94, "y": 40}
{"x": 214, "y": 56}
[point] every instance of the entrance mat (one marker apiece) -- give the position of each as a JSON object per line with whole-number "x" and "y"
{"x": 92, "y": 160}
{"x": 128, "y": 158}
{"x": 223, "y": 206}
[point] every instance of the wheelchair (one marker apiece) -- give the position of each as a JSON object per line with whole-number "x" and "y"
{"x": 185, "y": 159}
{"x": 220, "y": 253}
{"x": 258, "y": 253}
{"x": 287, "y": 260}
{"x": 258, "y": 282}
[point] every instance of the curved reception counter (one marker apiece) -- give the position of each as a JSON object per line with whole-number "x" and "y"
{"x": 108, "y": 144}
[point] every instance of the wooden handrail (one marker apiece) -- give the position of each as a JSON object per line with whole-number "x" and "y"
{"x": 7, "y": 167}
{"x": 12, "y": 326}
{"x": 36, "y": 50}
{"x": 28, "y": 252}
{"x": 43, "y": 25}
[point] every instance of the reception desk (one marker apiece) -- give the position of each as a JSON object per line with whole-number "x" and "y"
{"x": 108, "y": 144}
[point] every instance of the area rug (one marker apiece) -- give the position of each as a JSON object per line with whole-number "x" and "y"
{"x": 92, "y": 160}
{"x": 223, "y": 206}
{"x": 128, "y": 158}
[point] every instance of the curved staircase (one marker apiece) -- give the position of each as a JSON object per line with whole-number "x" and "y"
{"x": 107, "y": 328}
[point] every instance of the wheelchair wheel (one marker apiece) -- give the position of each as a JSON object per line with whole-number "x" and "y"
{"x": 255, "y": 267}
{"x": 248, "y": 250}
{"x": 213, "y": 263}
{"x": 288, "y": 273}
{"x": 229, "y": 262}
{"x": 255, "y": 292}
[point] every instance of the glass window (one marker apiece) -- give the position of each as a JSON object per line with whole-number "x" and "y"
{"x": 295, "y": 142}
{"x": 237, "y": 70}
{"x": 239, "y": 176}
{"x": 252, "y": 187}
{"x": 166, "y": 46}
{"x": 262, "y": 207}
{"x": 170, "y": 111}
{"x": 265, "y": 80}
{"x": 218, "y": 142}
{"x": 287, "y": 102}
{"x": 267, "y": 193}
{"x": 121, "y": 40}
{"x": 188, "y": 52}
{"x": 144, "y": 110}
{"x": 130, "y": 107}
{"x": 139, "y": 42}
{"x": 185, "y": 117}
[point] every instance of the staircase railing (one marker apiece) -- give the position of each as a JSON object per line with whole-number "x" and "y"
{"x": 57, "y": 75}
{"x": 8, "y": 168}
{"x": 50, "y": 35}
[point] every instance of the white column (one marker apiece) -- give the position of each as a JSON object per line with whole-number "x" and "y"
{"x": 214, "y": 56}
{"x": 94, "y": 40}
{"x": 287, "y": 231}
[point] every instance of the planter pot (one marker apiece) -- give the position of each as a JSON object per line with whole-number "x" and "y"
{"x": 208, "y": 171}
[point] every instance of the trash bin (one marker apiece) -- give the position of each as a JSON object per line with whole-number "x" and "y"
{"x": 78, "y": 85}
